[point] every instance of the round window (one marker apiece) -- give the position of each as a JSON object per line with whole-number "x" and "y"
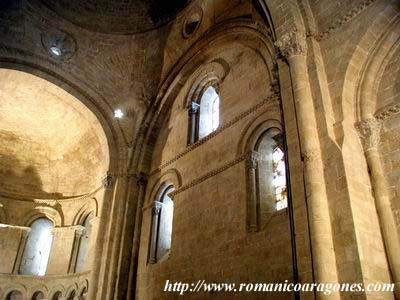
{"x": 192, "y": 23}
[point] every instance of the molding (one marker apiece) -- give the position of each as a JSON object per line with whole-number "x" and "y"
{"x": 211, "y": 174}
{"x": 387, "y": 112}
{"x": 269, "y": 100}
{"x": 341, "y": 21}
{"x": 22, "y": 228}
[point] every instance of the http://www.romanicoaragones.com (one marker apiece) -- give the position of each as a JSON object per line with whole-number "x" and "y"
{"x": 199, "y": 286}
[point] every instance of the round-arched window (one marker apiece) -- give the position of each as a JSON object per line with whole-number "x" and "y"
{"x": 37, "y": 249}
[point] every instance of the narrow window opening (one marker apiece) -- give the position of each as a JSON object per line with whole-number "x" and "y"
{"x": 162, "y": 220}
{"x": 204, "y": 115}
{"x": 279, "y": 178}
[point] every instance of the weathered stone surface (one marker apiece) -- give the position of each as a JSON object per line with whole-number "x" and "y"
{"x": 324, "y": 72}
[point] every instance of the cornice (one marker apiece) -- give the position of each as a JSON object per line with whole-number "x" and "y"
{"x": 211, "y": 174}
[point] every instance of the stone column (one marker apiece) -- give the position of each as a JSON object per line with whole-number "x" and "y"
{"x": 24, "y": 235}
{"x": 293, "y": 47}
{"x": 79, "y": 231}
{"x": 141, "y": 181}
{"x": 369, "y": 131}
{"x": 193, "y": 116}
{"x": 252, "y": 214}
{"x": 154, "y": 230}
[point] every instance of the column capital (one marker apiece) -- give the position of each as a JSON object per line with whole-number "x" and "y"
{"x": 369, "y": 130}
{"x": 156, "y": 208}
{"x": 253, "y": 159}
{"x": 79, "y": 231}
{"x": 194, "y": 108}
{"x": 292, "y": 43}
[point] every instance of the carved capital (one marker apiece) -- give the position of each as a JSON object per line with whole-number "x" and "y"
{"x": 194, "y": 108}
{"x": 108, "y": 181}
{"x": 369, "y": 131}
{"x": 253, "y": 159}
{"x": 156, "y": 208}
{"x": 292, "y": 43}
{"x": 79, "y": 231}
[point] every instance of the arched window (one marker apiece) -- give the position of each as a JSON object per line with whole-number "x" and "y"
{"x": 162, "y": 219}
{"x": 37, "y": 249}
{"x": 267, "y": 179}
{"x": 204, "y": 115}
{"x": 84, "y": 244}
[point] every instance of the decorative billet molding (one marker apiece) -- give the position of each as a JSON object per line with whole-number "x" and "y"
{"x": 210, "y": 174}
{"x": 271, "y": 99}
{"x": 387, "y": 112}
{"x": 340, "y": 22}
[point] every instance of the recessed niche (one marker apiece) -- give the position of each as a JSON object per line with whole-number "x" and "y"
{"x": 192, "y": 23}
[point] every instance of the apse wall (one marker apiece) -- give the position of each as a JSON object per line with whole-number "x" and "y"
{"x": 53, "y": 162}
{"x": 51, "y": 143}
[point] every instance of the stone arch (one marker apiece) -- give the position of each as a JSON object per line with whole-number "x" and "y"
{"x": 241, "y": 32}
{"x": 114, "y": 140}
{"x": 44, "y": 212}
{"x": 167, "y": 178}
{"x": 72, "y": 289}
{"x": 370, "y": 79}
{"x": 254, "y": 130}
{"x": 57, "y": 290}
{"x": 15, "y": 287}
{"x": 365, "y": 65}
{"x": 113, "y": 135}
{"x": 211, "y": 74}
{"x": 57, "y": 295}
{"x": 272, "y": 12}
{"x": 85, "y": 210}
{"x": 83, "y": 288}
{"x": 38, "y": 292}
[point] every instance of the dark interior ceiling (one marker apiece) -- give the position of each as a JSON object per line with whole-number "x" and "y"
{"x": 112, "y": 16}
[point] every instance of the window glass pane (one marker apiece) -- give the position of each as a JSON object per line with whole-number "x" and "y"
{"x": 209, "y": 112}
{"x": 279, "y": 178}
